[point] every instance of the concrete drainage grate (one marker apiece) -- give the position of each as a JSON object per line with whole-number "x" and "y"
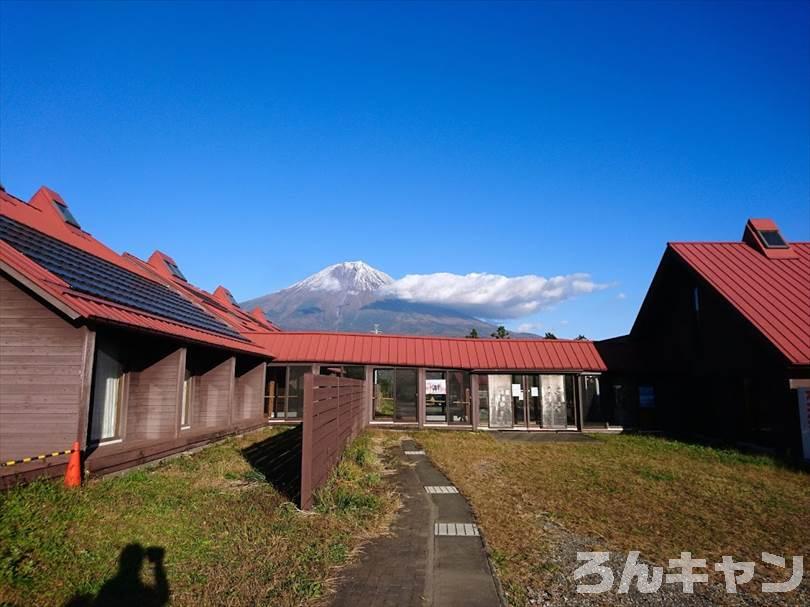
{"x": 440, "y": 489}
{"x": 455, "y": 529}
{"x": 414, "y": 453}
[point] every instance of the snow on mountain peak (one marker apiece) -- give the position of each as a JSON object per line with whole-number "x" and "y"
{"x": 352, "y": 276}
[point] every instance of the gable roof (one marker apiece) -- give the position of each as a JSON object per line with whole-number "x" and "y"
{"x": 440, "y": 352}
{"x": 85, "y": 279}
{"x": 772, "y": 293}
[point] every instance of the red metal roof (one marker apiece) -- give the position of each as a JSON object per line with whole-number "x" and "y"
{"x": 441, "y": 352}
{"x": 773, "y": 293}
{"x": 41, "y": 216}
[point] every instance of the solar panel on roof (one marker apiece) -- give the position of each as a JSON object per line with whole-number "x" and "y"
{"x": 90, "y": 274}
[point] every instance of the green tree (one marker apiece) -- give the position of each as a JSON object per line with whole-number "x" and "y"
{"x": 549, "y": 335}
{"x": 473, "y": 334}
{"x": 500, "y": 333}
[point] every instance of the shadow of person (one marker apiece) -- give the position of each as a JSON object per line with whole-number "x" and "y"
{"x": 126, "y": 588}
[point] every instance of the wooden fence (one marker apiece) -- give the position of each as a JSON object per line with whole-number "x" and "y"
{"x": 334, "y": 414}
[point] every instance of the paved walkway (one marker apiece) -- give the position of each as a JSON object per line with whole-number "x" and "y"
{"x": 425, "y": 560}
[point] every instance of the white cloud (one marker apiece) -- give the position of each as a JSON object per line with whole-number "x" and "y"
{"x": 528, "y": 327}
{"x": 621, "y": 296}
{"x": 491, "y": 296}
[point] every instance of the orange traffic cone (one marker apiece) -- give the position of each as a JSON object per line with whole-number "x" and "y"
{"x": 73, "y": 474}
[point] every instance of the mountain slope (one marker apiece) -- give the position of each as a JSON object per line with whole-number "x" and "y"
{"x": 346, "y": 297}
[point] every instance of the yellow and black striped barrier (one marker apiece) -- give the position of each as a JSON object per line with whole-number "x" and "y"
{"x": 25, "y": 460}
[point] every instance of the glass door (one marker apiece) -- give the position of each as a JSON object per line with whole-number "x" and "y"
{"x": 526, "y": 400}
{"x": 459, "y": 405}
{"x": 435, "y": 397}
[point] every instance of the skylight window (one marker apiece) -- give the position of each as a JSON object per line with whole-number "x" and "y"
{"x": 772, "y": 239}
{"x": 175, "y": 270}
{"x": 67, "y": 216}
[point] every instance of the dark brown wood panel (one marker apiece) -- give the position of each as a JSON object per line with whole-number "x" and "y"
{"x": 153, "y": 399}
{"x": 334, "y": 414}
{"x": 213, "y": 394}
{"x": 42, "y": 360}
{"x": 249, "y": 396}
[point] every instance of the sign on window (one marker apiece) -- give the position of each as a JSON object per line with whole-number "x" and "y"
{"x": 435, "y": 386}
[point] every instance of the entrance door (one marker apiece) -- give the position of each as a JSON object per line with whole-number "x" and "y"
{"x": 526, "y": 400}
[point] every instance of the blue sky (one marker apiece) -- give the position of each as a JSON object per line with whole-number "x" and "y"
{"x": 258, "y": 143}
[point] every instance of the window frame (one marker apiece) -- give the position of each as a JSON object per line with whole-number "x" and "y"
{"x": 119, "y": 399}
{"x": 763, "y": 239}
{"x": 66, "y": 215}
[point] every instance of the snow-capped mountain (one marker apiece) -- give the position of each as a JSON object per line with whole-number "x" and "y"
{"x": 349, "y": 277}
{"x": 349, "y": 296}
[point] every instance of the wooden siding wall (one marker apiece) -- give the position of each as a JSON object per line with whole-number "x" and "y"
{"x": 153, "y": 399}
{"x": 213, "y": 394}
{"x": 334, "y": 414}
{"x": 43, "y": 389}
{"x": 249, "y": 398}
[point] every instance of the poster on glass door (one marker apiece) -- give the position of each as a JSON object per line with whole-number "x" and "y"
{"x": 435, "y": 386}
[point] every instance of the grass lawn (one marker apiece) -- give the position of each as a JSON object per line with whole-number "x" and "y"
{"x": 623, "y": 493}
{"x": 221, "y": 533}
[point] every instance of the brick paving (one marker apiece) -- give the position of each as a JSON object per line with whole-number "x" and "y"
{"x": 413, "y": 566}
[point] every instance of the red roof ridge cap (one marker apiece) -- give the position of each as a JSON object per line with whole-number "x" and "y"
{"x": 441, "y": 337}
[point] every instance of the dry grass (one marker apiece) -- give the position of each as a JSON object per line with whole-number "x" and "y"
{"x": 623, "y": 493}
{"x": 229, "y": 537}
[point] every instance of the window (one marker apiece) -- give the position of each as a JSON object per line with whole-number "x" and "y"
{"x": 458, "y": 387}
{"x": 66, "y": 215}
{"x": 383, "y": 394}
{"x": 646, "y": 397}
{"x": 483, "y": 400}
{"x": 395, "y": 395}
{"x": 185, "y": 412}
{"x": 772, "y": 239}
{"x": 108, "y": 385}
{"x": 175, "y": 270}
{"x": 354, "y": 372}
{"x": 592, "y": 413}
{"x": 696, "y": 299}
{"x": 435, "y": 397}
{"x": 276, "y": 392}
{"x": 295, "y": 392}
{"x": 284, "y": 392}
{"x": 230, "y": 297}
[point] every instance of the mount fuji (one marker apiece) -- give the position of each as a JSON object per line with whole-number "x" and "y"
{"x": 350, "y": 296}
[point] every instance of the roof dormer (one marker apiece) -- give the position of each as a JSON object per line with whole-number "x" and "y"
{"x": 224, "y": 295}
{"x": 165, "y": 266}
{"x": 258, "y": 314}
{"x": 764, "y": 236}
{"x": 54, "y": 208}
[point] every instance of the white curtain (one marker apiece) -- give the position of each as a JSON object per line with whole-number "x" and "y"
{"x": 106, "y": 397}
{"x": 185, "y": 418}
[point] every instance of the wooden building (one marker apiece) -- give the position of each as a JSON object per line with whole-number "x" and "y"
{"x": 475, "y": 384}
{"x": 720, "y": 350}
{"x": 121, "y": 355}
{"x": 135, "y": 363}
